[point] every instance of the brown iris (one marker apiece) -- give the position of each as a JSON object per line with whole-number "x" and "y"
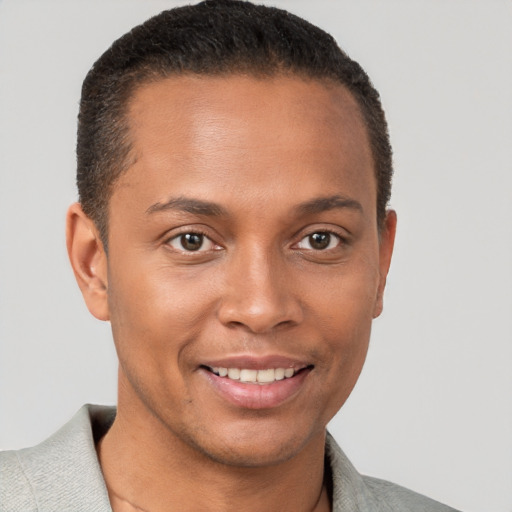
{"x": 192, "y": 241}
{"x": 320, "y": 241}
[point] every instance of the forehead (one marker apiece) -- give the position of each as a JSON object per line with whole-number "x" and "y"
{"x": 257, "y": 133}
{"x": 181, "y": 105}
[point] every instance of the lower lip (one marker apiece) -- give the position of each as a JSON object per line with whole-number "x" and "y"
{"x": 257, "y": 396}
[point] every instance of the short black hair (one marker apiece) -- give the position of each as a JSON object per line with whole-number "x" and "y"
{"x": 214, "y": 37}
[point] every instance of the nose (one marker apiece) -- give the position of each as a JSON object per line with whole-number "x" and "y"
{"x": 259, "y": 294}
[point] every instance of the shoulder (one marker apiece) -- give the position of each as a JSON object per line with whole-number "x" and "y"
{"x": 398, "y": 499}
{"x": 61, "y": 473}
{"x": 354, "y": 492}
{"x": 15, "y": 491}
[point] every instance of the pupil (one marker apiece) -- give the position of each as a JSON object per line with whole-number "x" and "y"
{"x": 319, "y": 240}
{"x": 192, "y": 241}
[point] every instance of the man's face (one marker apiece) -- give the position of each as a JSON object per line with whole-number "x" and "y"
{"x": 243, "y": 240}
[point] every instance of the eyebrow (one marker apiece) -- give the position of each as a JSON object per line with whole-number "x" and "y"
{"x": 323, "y": 204}
{"x": 189, "y": 205}
{"x": 208, "y": 208}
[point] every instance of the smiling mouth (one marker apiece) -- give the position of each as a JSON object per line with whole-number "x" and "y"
{"x": 251, "y": 376}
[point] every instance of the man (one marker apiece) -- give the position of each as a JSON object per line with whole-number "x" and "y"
{"x": 234, "y": 172}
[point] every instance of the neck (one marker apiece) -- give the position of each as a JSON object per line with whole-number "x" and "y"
{"x": 147, "y": 468}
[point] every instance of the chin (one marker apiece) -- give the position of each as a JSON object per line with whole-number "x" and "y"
{"x": 254, "y": 445}
{"x": 251, "y": 455}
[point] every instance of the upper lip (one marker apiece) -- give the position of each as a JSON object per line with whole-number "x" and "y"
{"x": 252, "y": 362}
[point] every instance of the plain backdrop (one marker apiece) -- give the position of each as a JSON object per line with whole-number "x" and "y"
{"x": 433, "y": 408}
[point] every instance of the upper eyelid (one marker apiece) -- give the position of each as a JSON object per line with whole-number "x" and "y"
{"x": 341, "y": 233}
{"x": 176, "y": 233}
{"x": 338, "y": 231}
{"x": 339, "y": 237}
{"x": 183, "y": 230}
{"x": 330, "y": 231}
{"x": 214, "y": 246}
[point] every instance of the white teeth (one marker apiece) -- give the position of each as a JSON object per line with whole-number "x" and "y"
{"x": 266, "y": 375}
{"x": 254, "y": 376}
{"x": 279, "y": 373}
{"x": 248, "y": 375}
{"x": 234, "y": 373}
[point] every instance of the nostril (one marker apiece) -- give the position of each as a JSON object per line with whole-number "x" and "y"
{"x": 259, "y": 309}
{"x": 235, "y": 324}
{"x": 286, "y": 323}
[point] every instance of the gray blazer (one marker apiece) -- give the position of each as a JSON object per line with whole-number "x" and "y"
{"x": 62, "y": 474}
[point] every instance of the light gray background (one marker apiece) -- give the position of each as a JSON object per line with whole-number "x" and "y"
{"x": 433, "y": 408}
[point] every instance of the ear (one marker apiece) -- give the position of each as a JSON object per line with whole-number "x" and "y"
{"x": 88, "y": 259}
{"x": 386, "y": 243}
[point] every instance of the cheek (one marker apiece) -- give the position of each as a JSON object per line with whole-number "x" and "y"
{"x": 156, "y": 314}
{"x": 151, "y": 295}
{"x": 345, "y": 302}
{"x": 344, "y": 314}
{"x": 152, "y": 326}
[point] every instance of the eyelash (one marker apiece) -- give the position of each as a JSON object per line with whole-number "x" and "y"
{"x": 178, "y": 238}
{"x": 330, "y": 234}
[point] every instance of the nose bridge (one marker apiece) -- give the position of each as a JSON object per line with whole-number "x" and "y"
{"x": 258, "y": 292}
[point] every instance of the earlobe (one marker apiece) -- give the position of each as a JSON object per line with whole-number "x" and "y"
{"x": 88, "y": 259}
{"x": 387, "y": 241}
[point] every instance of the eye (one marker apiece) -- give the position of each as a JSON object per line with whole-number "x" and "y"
{"x": 191, "y": 242}
{"x": 319, "y": 241}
